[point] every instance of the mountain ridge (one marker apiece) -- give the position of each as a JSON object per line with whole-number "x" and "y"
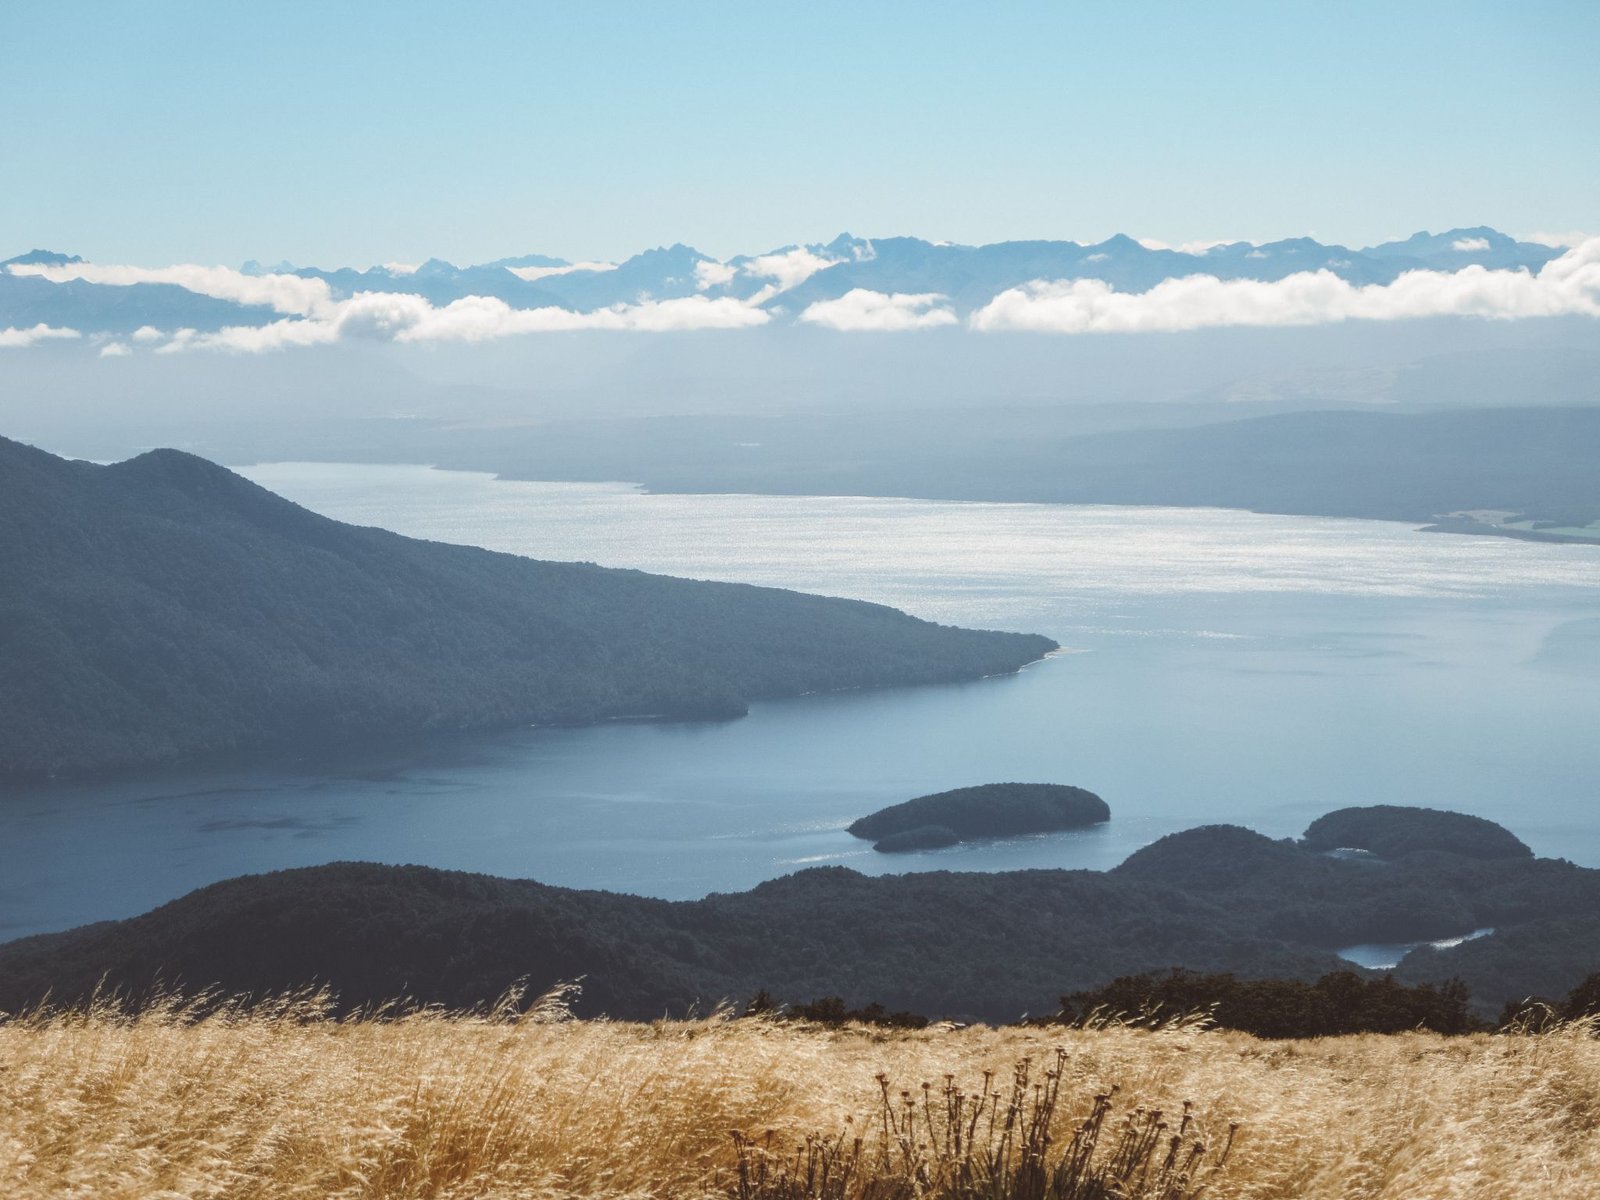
{"x": 164, "y": 609}
{"x": 783, "y": 281}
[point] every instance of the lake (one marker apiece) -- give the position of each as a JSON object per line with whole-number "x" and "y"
{"x": 1219, "y": 666}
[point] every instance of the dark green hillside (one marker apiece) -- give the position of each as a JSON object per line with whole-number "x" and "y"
{"x": 164, "y": 608}
{"x": 1389, "y": 831}
{"x": 1339, "y": 1003}
{"x": 966, "y": 944}
{"x": 991, "y": 946}
{"x": 986, "y": 811}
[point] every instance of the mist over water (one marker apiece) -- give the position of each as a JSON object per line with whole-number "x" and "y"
{"x": 1218, "y": 667}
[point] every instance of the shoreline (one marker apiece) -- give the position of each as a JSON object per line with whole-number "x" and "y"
{"x": 1456, "y": 522}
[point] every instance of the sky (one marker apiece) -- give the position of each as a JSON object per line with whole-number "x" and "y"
{"x": 356, "y": 133}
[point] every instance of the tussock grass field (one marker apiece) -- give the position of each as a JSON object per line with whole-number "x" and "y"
{"x": 278, "y": 1101}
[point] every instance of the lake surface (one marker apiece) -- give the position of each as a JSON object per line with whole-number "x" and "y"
{"x": 1380, "y": 956}
{"x": 1220, "y": 667}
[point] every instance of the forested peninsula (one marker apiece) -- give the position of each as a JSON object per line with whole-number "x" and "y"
{"x": 164, "y": 609}
{"x": 943, "y": 944}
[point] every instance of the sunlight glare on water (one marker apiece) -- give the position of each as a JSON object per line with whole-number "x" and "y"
{"x": 945, "y": 561}
{"x": 1230, "y": 667}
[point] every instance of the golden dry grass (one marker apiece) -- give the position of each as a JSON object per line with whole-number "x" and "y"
{"x": 276, "y": 1104}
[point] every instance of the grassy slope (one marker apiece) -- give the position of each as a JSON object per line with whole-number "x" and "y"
{"x": 433, "y": 1107}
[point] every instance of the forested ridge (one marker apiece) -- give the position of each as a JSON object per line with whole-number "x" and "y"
{"x": 990, "y": 946}
{"x": 164, "y": 608}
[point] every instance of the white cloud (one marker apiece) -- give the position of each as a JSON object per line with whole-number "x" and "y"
{"x": 1569, "y": 285}
{"x": 37, "y": 333}
{"x": 400, "y": 268}
{"x": 532, "y": 273}
{"x": 389, "y": 316}
{"x": 708, "y": 273}
{"x": 287, "y": 294}
{"x": 253, "y": 339}
{"x": 1470, "y": 245}
{"x": 785, "y": 268}
{"x": 475, "y": 318}
{"x": 1199, "y": 246}
{"x": 790, "y": 268}
{"x": 115, "y": 350}
{"x": 861, "y": 310}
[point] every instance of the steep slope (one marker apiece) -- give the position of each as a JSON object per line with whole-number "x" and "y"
{"x": 164, "y": 608}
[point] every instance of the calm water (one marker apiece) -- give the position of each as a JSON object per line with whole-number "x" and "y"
{"x": 1380, "y": 956}
{"x": 1221, "y": 666}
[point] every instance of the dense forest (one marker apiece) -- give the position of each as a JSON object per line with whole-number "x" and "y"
{"x": 965, "y": 945}
{"x": 985, "y": 811}
{"x": 1341, "y": 1002}
{"x": 1391, "y": 831}
{"x": 164, "y": 608}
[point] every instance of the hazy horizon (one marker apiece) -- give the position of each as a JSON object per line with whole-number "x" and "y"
{"x": 310, "y": 133}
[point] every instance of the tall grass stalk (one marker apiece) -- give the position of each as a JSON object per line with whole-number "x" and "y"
{"x": 989, "y": 1144}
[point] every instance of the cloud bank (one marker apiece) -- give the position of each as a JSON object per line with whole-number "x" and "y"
{"x": 860, "y": 310}
{"x": 287, "y": 294}
{"x": 1567, "y": 286}
{"x": 532, "y": 274}
{"x": 38, "y": 333}
{"x": 307, "y": 312}
{"x": 401, "y": 317}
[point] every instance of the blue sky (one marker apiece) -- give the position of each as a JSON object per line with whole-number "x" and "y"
{"x": 355, "y": 133}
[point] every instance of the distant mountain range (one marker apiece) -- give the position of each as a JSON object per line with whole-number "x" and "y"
{"x": 164, "y": 608}
{"x": 930, "y": 283}
{"x": 1523, "y": 472}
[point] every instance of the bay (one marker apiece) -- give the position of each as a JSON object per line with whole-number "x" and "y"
{"x": 1218, "y": 666}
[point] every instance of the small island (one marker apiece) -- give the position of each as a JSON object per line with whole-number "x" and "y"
{"x": 1390, "y": 831}
{"x": 990, "y": 810}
